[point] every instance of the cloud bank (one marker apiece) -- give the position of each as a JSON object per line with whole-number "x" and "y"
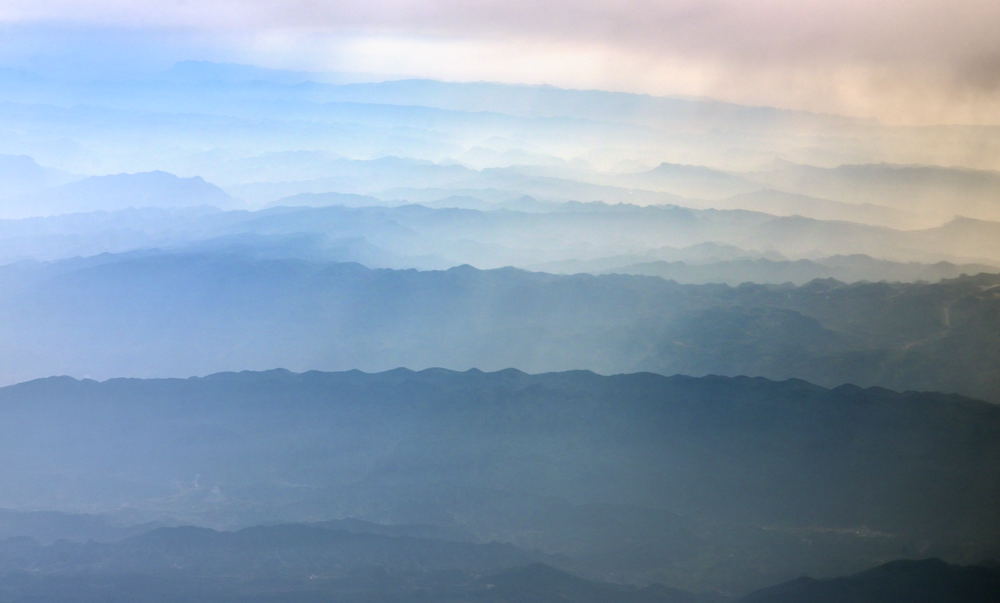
{"x": 918, "y": 61}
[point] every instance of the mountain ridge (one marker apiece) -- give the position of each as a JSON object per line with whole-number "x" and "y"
{"x": 640, "y": 476}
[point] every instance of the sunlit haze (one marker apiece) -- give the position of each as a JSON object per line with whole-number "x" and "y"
{"x": 481, "y": 301}
{"x": 901, "y": 61}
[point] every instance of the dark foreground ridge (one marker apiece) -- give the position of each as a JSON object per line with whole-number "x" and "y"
{"x": 710, "y": 483}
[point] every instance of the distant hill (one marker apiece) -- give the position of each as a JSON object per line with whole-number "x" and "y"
{"x": 359, "y": 177}
{"x": 322, "y": 199}
{"x": 581, "y": 104}
{"x": 392, "y": 178}
{"x": 791, "y": 204}
{"x": 693, "y": 181}
{"x": 20, "y": 174}
{"x": 51, "y": 526}
{"x": 702, "y": 253}
{"x": 971, "y": 234}
{"x": 525, "y": 233}
{"x": 848, "y": 269}
{"x": 118, "y": 191}
{"x": 922, "y": 188}
{"x": 298, "y": 563}
{"x": 138, "y": 314}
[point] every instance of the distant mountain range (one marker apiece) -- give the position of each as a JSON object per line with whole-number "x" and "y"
{"x": 692, "y": 181}
{"x": 20, "y": 174}
{"x": 915, "y": 188}
{"x": 250, "y": 129}
{"x": 847, "y": 269}
{"x": 521, "y": 232}
{"x": 313, "y": 562}
{"x": 110, "y": 193}
{"x": 791, "y": 204}
{"x": 150, "y": 313}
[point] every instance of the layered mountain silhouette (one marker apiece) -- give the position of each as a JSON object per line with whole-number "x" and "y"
{"x": 847, "y": 269}
{"x": 593, "y": 236}
{"x": 643, "y": 477}
{"x": 692, "y": 181}
{"x": 155, "y": 313}
{"x": 761, "y": 344}
{"x": 792, "y": 204}
{"x": 115, "y": 192}
{"x": 21, "y": 175}
{"x": 298, "y": 562}
{"x": 312, "y": 562}
{"x": 926, "y": 188}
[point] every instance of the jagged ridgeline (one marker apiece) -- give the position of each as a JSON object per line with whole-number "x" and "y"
{"x": 151, "y": 314}
{"x": 699, "y": 483}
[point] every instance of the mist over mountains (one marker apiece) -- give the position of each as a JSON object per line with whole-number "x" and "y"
{"x": 588, "y": 346}
{"x": 116, "y": 192}
{"x": 144, "y": 314}
{"x": 594, "y": 237}
{"x": 217, "y": 121}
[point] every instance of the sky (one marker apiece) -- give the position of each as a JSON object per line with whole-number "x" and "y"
{"x": 899, "y": 61}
